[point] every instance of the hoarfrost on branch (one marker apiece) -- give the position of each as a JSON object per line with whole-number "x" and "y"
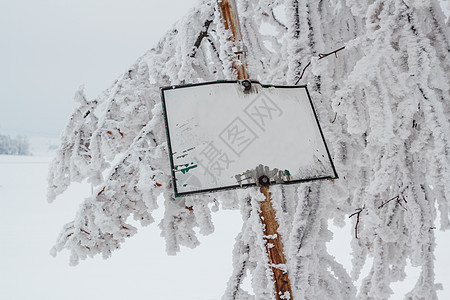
{"x": 384, "y": 106}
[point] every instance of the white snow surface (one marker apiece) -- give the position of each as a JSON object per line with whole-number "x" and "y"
{"x": 140, "y": 270}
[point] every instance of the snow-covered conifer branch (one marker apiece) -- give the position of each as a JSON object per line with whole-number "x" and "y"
{"x": 384, "y": 109}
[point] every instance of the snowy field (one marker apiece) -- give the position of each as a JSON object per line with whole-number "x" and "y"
{"x": 141, "y": 269}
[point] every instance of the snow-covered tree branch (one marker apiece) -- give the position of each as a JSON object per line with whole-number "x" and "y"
{"x": 384, "y": 107}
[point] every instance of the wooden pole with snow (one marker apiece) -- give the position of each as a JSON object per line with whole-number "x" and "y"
{"x": 274, "y": 246}
{"x": 273, "y": 243}
{"x": 228, "y": 11}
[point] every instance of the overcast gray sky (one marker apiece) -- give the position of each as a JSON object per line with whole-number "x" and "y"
{"x": 48, "y": 48}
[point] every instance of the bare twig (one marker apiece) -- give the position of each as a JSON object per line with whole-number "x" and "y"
{"x": 321, "y": 55}
{"x": 357, "y": 213}
{"x": 384, "y": 203}
{"x": 278, "y": 21}
{"x": 203, "y": 34}
{"x": 335, "y": 115}
{"x": 406, "y": 202}
{"x": 99, "y": 193}
{"x": 157, "y": 184}
{"x": 213, "y": 46}
{"x": 396, "y": 198}
{"x": 303, "y": 72}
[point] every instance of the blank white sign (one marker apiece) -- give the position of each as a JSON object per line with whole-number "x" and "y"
{"x": 216, "y": 132}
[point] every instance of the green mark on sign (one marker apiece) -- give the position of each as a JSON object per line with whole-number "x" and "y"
{"x": 186, "y": 169}
{"x": 287, "y": 174}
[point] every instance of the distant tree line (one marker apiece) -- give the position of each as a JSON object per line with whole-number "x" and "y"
{"x": 14, "y": 146}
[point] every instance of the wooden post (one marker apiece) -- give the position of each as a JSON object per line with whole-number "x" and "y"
{"x": 228, "y": 11}
{"x": 273, "y": 244}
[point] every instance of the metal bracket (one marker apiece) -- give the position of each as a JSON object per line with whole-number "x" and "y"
{"x": 246, "y": 84}
{"x": 239, "y": 49}
{"x": 255, "y": 175}
{"x": 264, "y": 180}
